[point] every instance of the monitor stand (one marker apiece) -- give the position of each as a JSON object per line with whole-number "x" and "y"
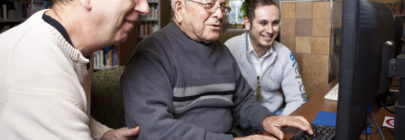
{"x": 399, "y": 127}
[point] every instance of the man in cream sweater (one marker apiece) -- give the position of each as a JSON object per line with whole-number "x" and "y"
{"x": 44, "y": 75}
{"x": 266, "y": 64}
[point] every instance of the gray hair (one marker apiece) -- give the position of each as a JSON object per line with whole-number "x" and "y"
{"x": 172, "y": 4}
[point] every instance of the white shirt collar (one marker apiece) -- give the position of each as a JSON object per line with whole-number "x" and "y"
{"x": 252, "y": 52}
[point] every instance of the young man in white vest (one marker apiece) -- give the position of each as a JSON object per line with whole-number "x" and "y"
{"x": 266, "y": 64}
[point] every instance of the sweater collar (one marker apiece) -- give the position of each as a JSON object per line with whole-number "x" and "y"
{"x": 61, "y": 41}
{"x": 51, "y": 21}
{"x": 173, "y": 27}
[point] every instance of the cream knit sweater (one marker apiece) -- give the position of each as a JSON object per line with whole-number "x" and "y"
{"x": 44, "y": 89}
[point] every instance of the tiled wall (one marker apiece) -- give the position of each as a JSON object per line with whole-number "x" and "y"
{"x": 306, "y": 30}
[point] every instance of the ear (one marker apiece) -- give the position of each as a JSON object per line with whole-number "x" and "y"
{"x": 86, "y": 4}
{"x": 178, "y": 9}
{"x": 247, "y": 23}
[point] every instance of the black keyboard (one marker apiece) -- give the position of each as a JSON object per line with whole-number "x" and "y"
{"x": 320, "y": 133}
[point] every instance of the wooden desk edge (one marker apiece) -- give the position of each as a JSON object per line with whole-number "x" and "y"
{"x": 310, "y": 109}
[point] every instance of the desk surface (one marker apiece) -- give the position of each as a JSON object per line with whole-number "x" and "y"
{"x": 317, "y": 103}
{"x": 312, "y": 107}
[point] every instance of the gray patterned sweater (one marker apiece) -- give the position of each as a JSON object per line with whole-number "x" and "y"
{"x": 179, "y": 89}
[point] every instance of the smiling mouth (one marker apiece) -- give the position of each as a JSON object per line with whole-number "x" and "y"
{"x": 267, "y": 37}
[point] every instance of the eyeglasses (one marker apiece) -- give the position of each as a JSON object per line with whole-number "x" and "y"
{"x": 209, "y": 6}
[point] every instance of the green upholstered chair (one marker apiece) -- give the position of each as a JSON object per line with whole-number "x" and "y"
{"x": 106, "y": 101}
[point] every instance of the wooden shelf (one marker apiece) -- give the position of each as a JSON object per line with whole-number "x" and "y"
{"x": 12, "y": 20}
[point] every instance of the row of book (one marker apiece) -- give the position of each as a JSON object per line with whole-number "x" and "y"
{"x": 147, "y": 28}
{"x": 19, "y": 10}
{"x": 106, "y": 58}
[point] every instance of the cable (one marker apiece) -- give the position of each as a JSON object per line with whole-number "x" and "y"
{"x": 376, "y": 125}
{"x": 374, "y": 134}
{"x": 385, "y": 107}
{"x": 383, "y": 100}
{"x": 392, "y": 112}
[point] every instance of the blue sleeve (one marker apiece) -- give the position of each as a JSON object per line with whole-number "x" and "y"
{"x": 292, "y": 86}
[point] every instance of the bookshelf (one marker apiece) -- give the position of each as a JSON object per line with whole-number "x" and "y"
{"x": 14, "y": 12}
{"x": 150, "y": 23}
{"x": 158, "y": 17}
{"x": 143, "y": 27}
{"x": 106, "y": 58}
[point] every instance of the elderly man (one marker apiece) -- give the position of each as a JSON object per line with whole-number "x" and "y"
{"x": 266, "y": 64}
{"x": 44, "y": 85}
{"x": 182, "y": 84}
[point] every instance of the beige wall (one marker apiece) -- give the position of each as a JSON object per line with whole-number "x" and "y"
{"x": 306, "y": 30}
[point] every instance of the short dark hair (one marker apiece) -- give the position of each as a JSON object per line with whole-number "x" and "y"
{"x": 253, "y": 4}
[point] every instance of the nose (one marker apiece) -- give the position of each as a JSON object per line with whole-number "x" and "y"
{"x": 218, "y": 12}
{"x": 142, "y": 7}
{"x": 270, "y": 29}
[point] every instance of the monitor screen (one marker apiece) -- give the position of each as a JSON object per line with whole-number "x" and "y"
{"x": 366, "y": 27}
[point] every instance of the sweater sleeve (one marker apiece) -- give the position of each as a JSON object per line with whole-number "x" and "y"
{"x": 146, "y": 86}
{"x": 97, "y": 129}
{"x": 45, "y": 98}
{"x": 247, "y": 111}
{"x": 52, "y": 110}
{"x": 292, "y": 86}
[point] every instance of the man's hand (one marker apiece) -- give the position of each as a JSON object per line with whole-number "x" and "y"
{"x": 256, "y": 137}
{"x": 273, "y": 124}
{"x": 121, "y": 134}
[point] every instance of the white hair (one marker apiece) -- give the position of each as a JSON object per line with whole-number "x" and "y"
{"x": 172, "y": 3}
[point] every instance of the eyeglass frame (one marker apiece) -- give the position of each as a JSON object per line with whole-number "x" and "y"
{"x": 209, "y": 6}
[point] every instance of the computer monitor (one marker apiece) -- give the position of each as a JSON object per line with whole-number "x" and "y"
{"x": 399, "y": 31}
{"x": 400, "y": 72}
{"x": 366, "y": 27}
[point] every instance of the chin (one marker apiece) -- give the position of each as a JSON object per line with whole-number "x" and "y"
{"x": 213, "y": 36}
{"x": 267, "y": 44}
{"x": 212, "y": 39}
{"x": 127, "y": 27}
{"x": 121, "y": 39}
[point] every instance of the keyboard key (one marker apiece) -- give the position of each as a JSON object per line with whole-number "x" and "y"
{"x": 321, "y": 132}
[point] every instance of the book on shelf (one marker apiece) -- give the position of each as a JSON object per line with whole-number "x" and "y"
{"x": 21, "y": 9}
{"x": 13, "y": 12}
{"x": 106, "y": 58}
{"x": 150, "y": 23}
{"x": 147, "y": 28}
